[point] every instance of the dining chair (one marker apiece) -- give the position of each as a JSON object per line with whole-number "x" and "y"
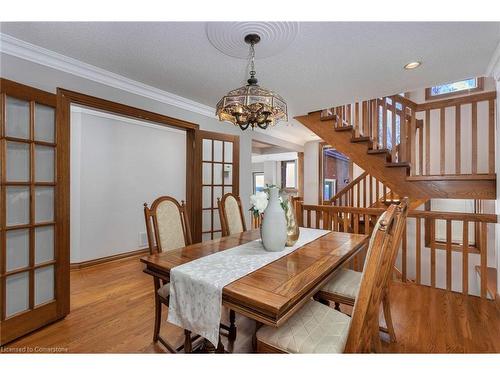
{"x": 317, "y": 328}
{"x": 344, "y": 286}
{"x": 167, "y": 228}
{"x": 231, "y": 216}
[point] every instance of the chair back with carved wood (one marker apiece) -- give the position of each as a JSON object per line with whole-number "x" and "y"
{"x": 231, "y": 216}
{"x": 399, "y": 230}
{"x": 363, "y": 331}
{"x": 167, "y": 225}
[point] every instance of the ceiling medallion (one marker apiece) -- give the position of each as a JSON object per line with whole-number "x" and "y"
{"x": 252, "y": 105}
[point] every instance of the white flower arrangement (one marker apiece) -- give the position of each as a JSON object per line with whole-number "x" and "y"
{"x": 260, "y": 200}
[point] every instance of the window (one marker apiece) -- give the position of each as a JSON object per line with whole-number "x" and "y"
{"x": 258, "y": 182}
{"x": 329, "y": 188}
{"x": 288, "y": 174}
{"x": 454, "y": 88}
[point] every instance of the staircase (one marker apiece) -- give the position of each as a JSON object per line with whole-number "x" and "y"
{"x": 366, "y": 191}
{"x": 391, "y": 137}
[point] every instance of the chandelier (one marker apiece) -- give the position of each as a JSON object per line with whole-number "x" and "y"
{"x": 252, "y": 105}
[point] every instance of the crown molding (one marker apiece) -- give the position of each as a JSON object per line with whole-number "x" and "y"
{"x": 494, "y": 65}
{"x": 27, "y": 51}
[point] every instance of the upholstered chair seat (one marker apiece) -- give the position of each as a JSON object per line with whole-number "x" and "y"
{"x": 164, "y": 291}
{"x": 315, "y": 328}
{"x": 345, "y": 283}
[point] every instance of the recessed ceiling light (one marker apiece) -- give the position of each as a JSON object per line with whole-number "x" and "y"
{"x": 412, "y": 65}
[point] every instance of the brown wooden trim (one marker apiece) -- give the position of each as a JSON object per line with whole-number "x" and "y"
{"x": 21, "y": 323}
{"x": 480, "y": 87}
{"x": 484, "y": 96}
{"x": 27, "y": 93}
{"x": 111, "y": 258}
{"x": 454, "y": 177}
{"x": 124, "y": 110}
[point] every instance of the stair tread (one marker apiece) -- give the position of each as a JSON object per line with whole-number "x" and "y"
{"x": 360, "y": 139}
{"x": 395, "y": 165}
{"x": 379, "y": 151}
{"x": 491, "y": 279}
{"x": 344, "y": 128}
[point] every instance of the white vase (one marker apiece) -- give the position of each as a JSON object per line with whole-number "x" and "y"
{"x": 273, "y": 228}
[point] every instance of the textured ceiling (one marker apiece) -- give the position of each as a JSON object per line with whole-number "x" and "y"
{"x": 323, "y": 65}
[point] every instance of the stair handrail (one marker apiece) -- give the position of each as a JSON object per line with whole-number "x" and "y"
{"x": 345, "y": 189}
{"x": 346, "y": 196}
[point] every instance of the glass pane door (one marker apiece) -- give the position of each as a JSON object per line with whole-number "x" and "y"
{"x": 219, "y": 175}
{"x": 28, "y": 219}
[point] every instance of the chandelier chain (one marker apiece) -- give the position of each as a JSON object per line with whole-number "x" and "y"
{"x": 252, "y": 59}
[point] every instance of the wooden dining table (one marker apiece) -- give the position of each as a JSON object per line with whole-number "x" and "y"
{"x": 273, "y": 293}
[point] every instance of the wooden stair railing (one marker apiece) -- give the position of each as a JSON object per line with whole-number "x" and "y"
{"x": 395, "y": 133}
{"x": 428, "y": 268}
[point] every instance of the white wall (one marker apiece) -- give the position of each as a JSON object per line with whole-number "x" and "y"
{"x": 120, "y": 164}
{"x": 311, "y": 172}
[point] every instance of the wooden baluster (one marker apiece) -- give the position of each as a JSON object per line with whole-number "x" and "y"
{"x": 393, "y": 131}
{"x": 427, "y": 142}
{"x": 433, "y": 252}
{"x": 384, "y": 193}
{"x": 317, "y": 215}
{"x": 442, "y": 137}
{"x": 358, "y": 195}
{"x": 371, "y": 189}
{"x": 484, "y": 258}
{"x": 384, "y": 123}
{"x": 421, "y": 147}
{"x": 300, "y": 213}
{"x": 413, "y": 142}
{"x": 364, "y": 106}
{"x": 356, "y": 223}
{"x": 364, "y": 192}
{"x": 377, "y": 190}
{"x": 465, "y": 258}
{"x": 309, "y": 225}
{"x": 367, "y": 223}
{"x": 448, "y": 254}
{"x": 336, "y": 222}
{"x": 346, "y": 221}
{"x": 374, "y": 132}
{"x": 491, "y": 136}
{"x": 349, "y": 122}
{"x": 326, "y": 220}
{"x": 474, "y": 138}
{"x": 403, "y": 149}
{"x": 356, "y": 119}
{"x": 404, "y": 255}
{"x": 458, "y": 137}
{"x": 342, "y": 116}
{"x": 418, "y": 248}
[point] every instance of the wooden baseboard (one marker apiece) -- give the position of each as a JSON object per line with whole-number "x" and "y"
{"x": 111, "y": 258}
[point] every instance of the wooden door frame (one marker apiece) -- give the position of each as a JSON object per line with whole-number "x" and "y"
{"x": 65, "y": 98}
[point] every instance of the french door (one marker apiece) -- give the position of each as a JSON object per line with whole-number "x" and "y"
{"x": 219, "y": 160}
{"x": 34, "y": 285}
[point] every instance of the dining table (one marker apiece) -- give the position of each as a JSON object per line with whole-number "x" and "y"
{"x": 271, "y": 294}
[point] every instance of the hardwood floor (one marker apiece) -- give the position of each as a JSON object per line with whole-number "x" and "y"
{"x": 112, "y": 312}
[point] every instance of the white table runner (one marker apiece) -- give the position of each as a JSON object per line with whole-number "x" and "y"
{"x": 196, "y": 287}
